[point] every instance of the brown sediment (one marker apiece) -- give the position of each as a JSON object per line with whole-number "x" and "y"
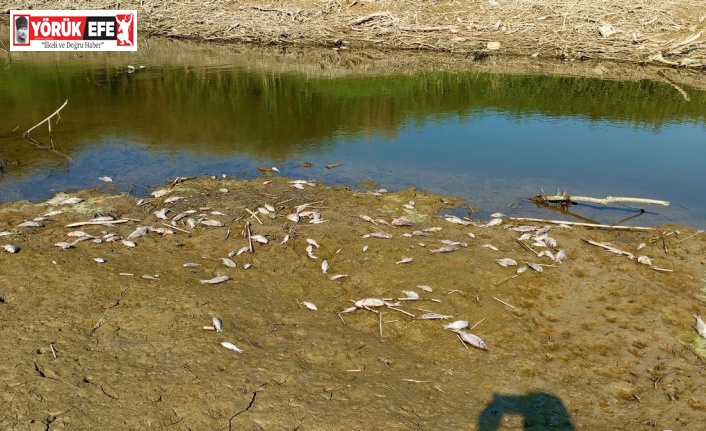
{"x": 597, "y": 342}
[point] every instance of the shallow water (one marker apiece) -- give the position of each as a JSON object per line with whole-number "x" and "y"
{"x": 492, "y": 139}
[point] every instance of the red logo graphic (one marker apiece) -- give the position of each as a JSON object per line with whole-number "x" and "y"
{"x": 125, "y": 30}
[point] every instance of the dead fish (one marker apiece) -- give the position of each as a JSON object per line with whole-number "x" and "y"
{"x": 53, "y": 213}
{"x": 298, "y": 186}
{"x": 537, "y": 267}
{"x": 324, "y": 266}
{"x": 494, "y": 222}
{"x": 172, "y": 199}
{"x": 338, "y": 277}
{"x": 471, "y": 235}
{"x": 259, "y": 238}
{"x": 402, "y": 221}
{"x": 317, "y": 221}
{"x": 456, "y": 220}
{"x": 312, "y": 242}
{"x": 140, "y": 231}
{"x": 472, "y": 339}
{"x": 5, "y": 233}
{"x": 294, "y": 217}
{"x": 209, "y": 222}
{"x": 644, "y": 260}
{"x": 490, "y": 246}
{"x": 247, "y": 266}
{"x": 641, "y": 246}
{"x": 445, "y": 249}
{"x": 504, "y": 262}
{"x": 521, "y": 269}
{"x": 310, "y": 305}
{"x": 79, "y": 234}
{"x": 11, "y": 248}
{"x": 286, "y": 239}
{"x": 458, "y": 325}
{"x": 106, "y": 179}
{"x": 524, "y": 237}
{"x": 523, "y": 229}
{"x": 218, "y": 213}
{"x": 419, "y": 233}
{"x": 99, "y": 260}
{"x": 61, "y": 200}
{"x": 183, "y": 214}
{"x": 434, "y": 316}
{"x": 191, "y": 222}
{"x": 409, "y": 295}
{"x": 162, "y": 214}
{"x": 381, "y": 235}
{"x": 700, "y": 326}
{"x": 365, "y": 248}
{"x": 227, "y": 262}
{"x": 263, "y": 210}
{"x": 151, "y": 277}
{"x": 367, "y": 218}
{"x": 64, "y": 245}
{"x": 215, "y": 280}
{"x": 274, "y": 169}
{"x": 230, "y": 346}
{"x": 30, "y": 223}
{"x": 190, "y": 265}
{"x": 405, "y": 260}
{"x": 129, "y": 244}
{"x": 497, "y": 215}
{"x": 217, "y": 324}
{"x": 242, "y": 250}
{"x": 432, "y": 229}
{"x": 159, "y": 193}
{"x": 368, "y": 303}
{"x": 425, "y": 288}
{"x": 560, "y": 256}
{"x": 161, "y": 231}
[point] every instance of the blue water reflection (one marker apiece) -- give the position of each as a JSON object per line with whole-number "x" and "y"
{"x": 450, "y": 143}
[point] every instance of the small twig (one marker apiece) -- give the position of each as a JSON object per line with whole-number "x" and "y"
{"x": 501, "y": 301}
{"x": 573, "y": 223}
{"x": 380, "y": 324}
{"x": 479, "y": 322}
{"x": 109, "y": 396}
{"x": 53, "y": 352}
{"x": 179, "y": 229}
{"x": 247, "y": 227}
{"x": 688, "y": 237}
{"x": 26, "y": 134}
{"x": 254, "y": 215}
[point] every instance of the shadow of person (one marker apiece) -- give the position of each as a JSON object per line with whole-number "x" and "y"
{"x": 541, "y": 411}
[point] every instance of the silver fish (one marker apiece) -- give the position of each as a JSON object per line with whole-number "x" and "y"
{"x": 381, "y": 235}
{"x": 191, "y": 265}
{"x": 230, "y": 346}
{"x": 259, "y": 238}
{"x": 504, "y": 262}
{"x": 64, "y": 245}
{"x": 30, "y": 223}
{"x": 310, "y": 305}
{"x": 402, "y": 221}
{"x": 11, "y": 248}
{"x": 494, "y": 222}
{"x": 161, "y": 231}
{"x": 457, "y": 325}
{"x": 409, "y": 295}
{"x": 324, "y": 266}
{"x": 242, "y": 250}
{"x": 490, "y": 246}
{"x": 700, "y": 326}
{"x": 209, "y": 222}
{"x": 159, "y": 193}
{"x": 151, "y": 277}
{"x": 560, "y": 256}
{"x": 294, "y": 217}
{"x": 162, "y": 213}
{"x": 312, "y": 242}
{"x": 535, "y": 266}
{"x": 338, "y": 277}
{"x": 80, "y": 234}
{"x": 140, "y": 231}
{"x": 445, "y": 249}
{"x": 405, "y": 260}
{"x": 171, "y": 199}
{"x": 472, "y": 339}
{"x": 129, "y": 244}
{"x": 218, "y": 324}
{"x": 215, "y": 280}
{"x": 227, "y": 262}
{"x": 425, "y": 288}
{"x": 98, "y": 260}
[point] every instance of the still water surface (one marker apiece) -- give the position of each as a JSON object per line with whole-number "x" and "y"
{"x": 492, "y": 139}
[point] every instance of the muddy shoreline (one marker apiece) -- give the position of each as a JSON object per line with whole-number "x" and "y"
{"x": 588, "y": 343}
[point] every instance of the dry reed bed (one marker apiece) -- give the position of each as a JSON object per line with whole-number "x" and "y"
{"x": 667, "y": 32}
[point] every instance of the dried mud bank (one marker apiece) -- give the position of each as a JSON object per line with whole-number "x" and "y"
{"x": 596, "y": 341}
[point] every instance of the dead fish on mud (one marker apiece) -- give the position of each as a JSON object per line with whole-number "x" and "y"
{"x": 227, "y": 262}
{"x": 230, "y": 346}
{"x": 434, "y": 316}
{"x": 405, "y": 260}
{"x": 381, "y": 235}
{"x": 215, "y": 280}
{"x": 217, "y": 324}
{"x": 445, "y": 249}
{"x": 209, "y": 222}
{"x": 457, "y": 325}
{"x": 700, "y": 326}
{"x": 30, "y": 223}
{"x": 11, "y": 248}
{"x": 472, "y": 339}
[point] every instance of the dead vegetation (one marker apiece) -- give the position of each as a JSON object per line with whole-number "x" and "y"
{"x": 666, "y": 32}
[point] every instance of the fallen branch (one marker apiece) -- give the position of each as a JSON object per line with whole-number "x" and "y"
{"x": 610, "y": 199}
{"x": 26, "y": 134}
{"x": 610, "y": 248}
{"x": 572, "y": 223}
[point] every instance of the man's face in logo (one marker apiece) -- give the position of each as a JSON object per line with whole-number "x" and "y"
{"x": 22, "y": 30}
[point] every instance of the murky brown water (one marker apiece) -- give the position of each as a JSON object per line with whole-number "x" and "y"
{"x": 598, "y": 342}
